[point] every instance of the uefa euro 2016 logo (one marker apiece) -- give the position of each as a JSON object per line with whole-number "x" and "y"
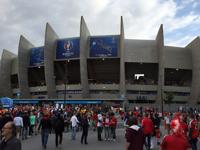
{"x": 68, "y": 45}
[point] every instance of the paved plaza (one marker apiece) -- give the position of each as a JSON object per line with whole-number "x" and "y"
{"x": 34, "y": 143}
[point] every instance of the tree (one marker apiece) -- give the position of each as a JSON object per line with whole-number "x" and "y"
{"x": 169, "y": 98}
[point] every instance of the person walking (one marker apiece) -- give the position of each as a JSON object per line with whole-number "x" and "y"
{"x": 99, "y": 125}
{"x": 85, "y": 125}
{"x": 59, "y": 129}
{"x": 26, "y": 123}
{"x": 74, "y": 123}
{"x": 45, "y": 124}
{"x": 148, "y": 129}
{"x": 134, "y": 135}
{"x": 18, "y": 121}
{"x": 9, "y": 141}
{"x": 32, "y": 123}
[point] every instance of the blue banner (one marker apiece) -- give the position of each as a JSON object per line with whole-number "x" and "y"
{"x": 37, "y": 56}
{"x": 106, "y": 46}
{"x": 26, "y": 102}
{"x": 68, "y": 48}
{"x": 79, "y": 102}
{"x": 83, "y": 102}
{"x": 6, "y": 102}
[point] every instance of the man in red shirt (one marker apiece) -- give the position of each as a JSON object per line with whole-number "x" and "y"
{"x": 148, "y": 128}
{"x": 176, "y": 140}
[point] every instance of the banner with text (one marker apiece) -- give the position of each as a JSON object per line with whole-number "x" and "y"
{"x": 104, "y": 46}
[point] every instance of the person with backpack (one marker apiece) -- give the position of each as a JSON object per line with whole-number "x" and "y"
{"x": 59, "y": 128}
{"x": 134, "y": 135}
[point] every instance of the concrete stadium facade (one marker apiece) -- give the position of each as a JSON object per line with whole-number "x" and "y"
{"x": 169, "y": 69}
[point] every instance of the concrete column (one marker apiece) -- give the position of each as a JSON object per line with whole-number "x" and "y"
{"x": 194, "y": 47}
{"x": 5, "y": 74}
{"x": 23, "y": 63}
{"x": 122, "y": 62}
{"x": 84, "y": 47}
{"x": 161, "y": 61}
{"x": 49, "y": 57}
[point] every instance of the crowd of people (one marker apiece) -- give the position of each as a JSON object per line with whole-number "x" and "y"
{"x": 31, "y": 120}
{"x": 142, "y": 126}
{"x": 181, "y": 130}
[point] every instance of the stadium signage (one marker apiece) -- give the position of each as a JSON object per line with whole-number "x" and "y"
{"x": 68, "y": 48}
{"x": 37, "y": 56}
{"x": 104, "y": 46}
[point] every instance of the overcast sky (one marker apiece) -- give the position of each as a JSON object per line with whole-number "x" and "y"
{"x": 142, "y": 18}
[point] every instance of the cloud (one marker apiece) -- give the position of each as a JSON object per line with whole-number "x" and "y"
{"x": 141, "y": 18}
{"x": 180, "y": 42}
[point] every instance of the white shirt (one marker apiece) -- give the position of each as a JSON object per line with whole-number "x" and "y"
{"x": 100, "y": 120}
{"x": 167, "y": 120}
{"x": 74, "y": 121}
{"x": 18, "y": 121}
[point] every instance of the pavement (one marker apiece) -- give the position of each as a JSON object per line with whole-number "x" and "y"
{"x": 34, "y": 142}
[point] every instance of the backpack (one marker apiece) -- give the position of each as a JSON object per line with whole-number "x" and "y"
{"x": 58, "y": 125}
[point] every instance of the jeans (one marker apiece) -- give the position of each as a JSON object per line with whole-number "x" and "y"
{"x": 74, "y": 133}
{"x": 45, "y": 135}
{"x": 107, "y": 132}
{"x": 113, "y": 132}
{"x": 31, "y": 130}
{"x": 148, "y": 141}
{"x": 24, "y": 133}
{"x": 193, "y": 143}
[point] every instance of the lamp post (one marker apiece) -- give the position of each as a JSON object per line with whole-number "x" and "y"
{"x": 162, "y": 102}
{"x": 65, "y": 79}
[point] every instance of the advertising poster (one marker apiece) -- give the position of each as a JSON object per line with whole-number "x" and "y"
{"x": 68, "y": 48}
{"x": 106, "y": 46}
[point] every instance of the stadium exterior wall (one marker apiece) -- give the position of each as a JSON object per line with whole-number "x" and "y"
{"x": 146, "y": 51}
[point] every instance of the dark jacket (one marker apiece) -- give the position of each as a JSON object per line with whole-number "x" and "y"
{"x": 84, "y": 122}
{"x": 1, "y": 123}
{"x": 135, "y": 136}
{"x": 26, "y": 120}
{"x": 11, "y": 144}
{"x": 45, "y": 123}
{"x": 59, "y": 125}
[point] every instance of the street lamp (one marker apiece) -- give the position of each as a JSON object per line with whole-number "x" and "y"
{"x": 65, "y": 78}
{"x": 162, "y": 102}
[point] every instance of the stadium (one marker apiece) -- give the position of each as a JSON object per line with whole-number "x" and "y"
{"x": 102, "y": 69}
